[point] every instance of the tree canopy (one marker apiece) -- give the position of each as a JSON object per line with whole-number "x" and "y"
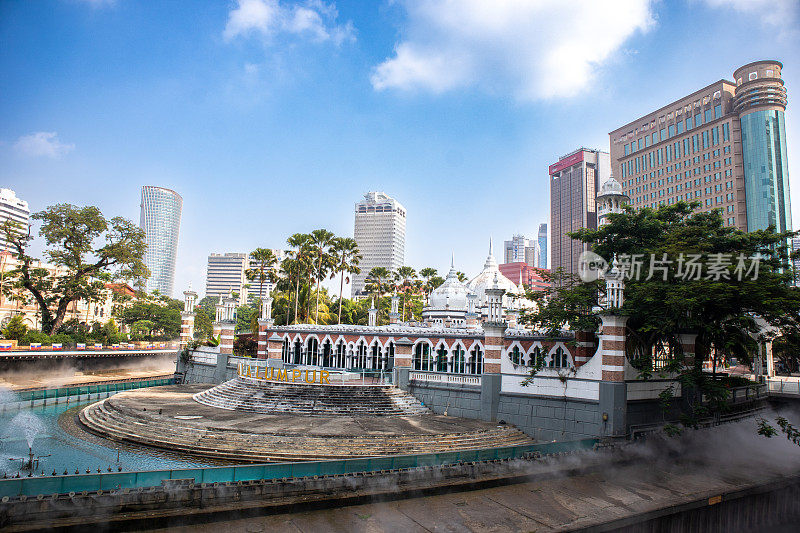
{"x": 89, "y": 251}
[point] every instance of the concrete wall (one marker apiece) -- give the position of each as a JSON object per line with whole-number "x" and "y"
{"x": 459, "y": 400}
{"x": 548, "y": 418}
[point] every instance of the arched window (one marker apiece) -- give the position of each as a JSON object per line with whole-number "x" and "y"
{"x": 375, "y": 356}
{"x": 361, "y": 355}
{"x": 341, "y": 352}
{"x": 536, "y": 357}
{"x": 285, "y": 351}
{"x": 312, "y": 349}
{"x": 327, "y": 353}
{"x": 298, "y": 352}
{"x": 441, "y": 359}
{"x": 515, "y": 355}
{"x": 388, "y": 356}
{"x": 459, "y": 362}
{"x": 476, "y": 361}
{"x": 422, "y": 356}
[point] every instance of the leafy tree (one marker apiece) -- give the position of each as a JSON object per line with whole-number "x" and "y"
{"x": 347, "y": 258}
{"x": 406, "y": 276}
{"x": 263, "y": 269}
{"x": 461, "y": 277}
{"x": 69, "y": 232}
{"x": 162, "y": 314}
{"x": 299, "y": 263}
{"x": 320, "y": 243}
{"x": 142, "y": 329}
{"x": 15, "y": 329}
{"x": 378, "y": 282}
{"x": 435, "y": 282}
{"x": 720, "y": 309}
{"x": 202, "y": 326}
{"x": 428, "y": 273}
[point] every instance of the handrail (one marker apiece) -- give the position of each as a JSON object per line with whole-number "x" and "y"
{"x": 47, "y": 485}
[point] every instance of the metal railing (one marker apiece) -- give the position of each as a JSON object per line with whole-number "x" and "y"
{"x": 789, "y": 386}
{"x": 81, "y": 390}
{"x": 441, "y": 377}
{"x": 47, "y": 485}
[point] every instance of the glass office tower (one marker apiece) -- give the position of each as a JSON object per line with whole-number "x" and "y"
{"x": 161, "y": 221}
{"x": 760, "y": 102}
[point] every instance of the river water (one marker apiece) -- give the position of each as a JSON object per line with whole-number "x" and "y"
{"x": 59, "y": 443}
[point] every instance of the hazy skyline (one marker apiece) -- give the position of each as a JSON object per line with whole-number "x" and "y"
{"x": 271, "y": 118}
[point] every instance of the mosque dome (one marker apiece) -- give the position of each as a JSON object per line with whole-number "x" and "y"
{"x": 485, "y": 279}
{"x": 611, "y": 186}
{"x": 452, "y": 294}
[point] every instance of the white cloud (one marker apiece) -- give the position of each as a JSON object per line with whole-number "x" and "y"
{"x": 531, "y": 48}
{"x": 314, "y": 20}
{"x": 42, "y": 144}
{"x": 781, "y": 14}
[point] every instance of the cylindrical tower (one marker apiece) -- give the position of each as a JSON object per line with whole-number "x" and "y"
{"x": 760, "y": 101}
{"x": 161, "y": 221}
{"x": 610, "y": 200}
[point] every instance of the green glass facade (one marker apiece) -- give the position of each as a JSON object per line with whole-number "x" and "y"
{"x": 766, "y": 172}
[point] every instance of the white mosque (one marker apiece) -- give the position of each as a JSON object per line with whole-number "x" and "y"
{"x": 458, "y": 304}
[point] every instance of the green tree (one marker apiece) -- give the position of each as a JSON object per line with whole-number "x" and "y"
{"x": 347, "y": 258}
{"x": 428, "y": 273}
{"x": 378, "y": 282}
{"x": 721, "y": 309}
{"x": 320, "y": 244}
{"x": 263, "y": 261}
{"x": 15, "y": 329}
{"x": 406, "y": 276}
{"x": 461, "y": 277}
{"x": 70, "y": 234}
{"x": 299, "y": 264}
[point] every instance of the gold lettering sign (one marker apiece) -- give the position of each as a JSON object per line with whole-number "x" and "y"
{"x": 311, "y": 376}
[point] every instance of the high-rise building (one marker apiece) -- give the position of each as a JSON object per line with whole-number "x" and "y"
{"x": 225, "y": 273}
{"x": 723, "y": 145}
{"x": 16, "y": 210}
{"x": 380, "y": 233}
{"x": 161, "y": 221}
{"x": 574, "y": 181}
{"x": 520, "y": 250}
{"x": 542, "y": 246}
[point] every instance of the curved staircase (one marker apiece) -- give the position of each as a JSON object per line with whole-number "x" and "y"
{"x": 269, "y": 397}
{"x": 115, "y": 419}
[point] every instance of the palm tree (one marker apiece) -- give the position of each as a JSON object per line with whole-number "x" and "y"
{"x": 428, "y": 273}
{"x": 377, "y": 281}
{"x": 407, "y": 277}
{"x": 263, "y": 261}
{"x": 301, "y": 254}
{"x": 347, "y": 257}
{"x": 320, "y": 243}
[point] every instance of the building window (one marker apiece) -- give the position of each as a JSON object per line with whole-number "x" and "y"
{"x": 752, "y": 76}
{"x": 717, "y": 111}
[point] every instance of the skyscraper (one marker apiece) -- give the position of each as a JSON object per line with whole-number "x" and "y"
{"x": 226, "y": 273}
{"x": 723, "y": 145}
{"x": 161, "y": 221}
{"x": 542, "y": 246}
{"x": 574, "y": 181}
{"x": 12, "y": 208}
{"x": 380, "y": 233}
{"x": 520, "y": 250}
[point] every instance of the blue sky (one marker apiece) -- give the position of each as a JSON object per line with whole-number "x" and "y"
{"x": 273, "y": 117}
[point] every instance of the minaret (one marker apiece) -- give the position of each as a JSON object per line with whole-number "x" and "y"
{"x": 494, "y": 329}
{"x": 265, "y": 322}
{"x": 613, "y": 391}
{"x": 373, "y": 314}
{"x": 610, "y": 201}
{"x": 187, "y": 318}
{"x": 394, "y": 315}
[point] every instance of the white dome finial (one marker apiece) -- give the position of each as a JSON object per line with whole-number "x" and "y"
{"x": 452, "y": 260}
{"x": 491, "y": 247}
